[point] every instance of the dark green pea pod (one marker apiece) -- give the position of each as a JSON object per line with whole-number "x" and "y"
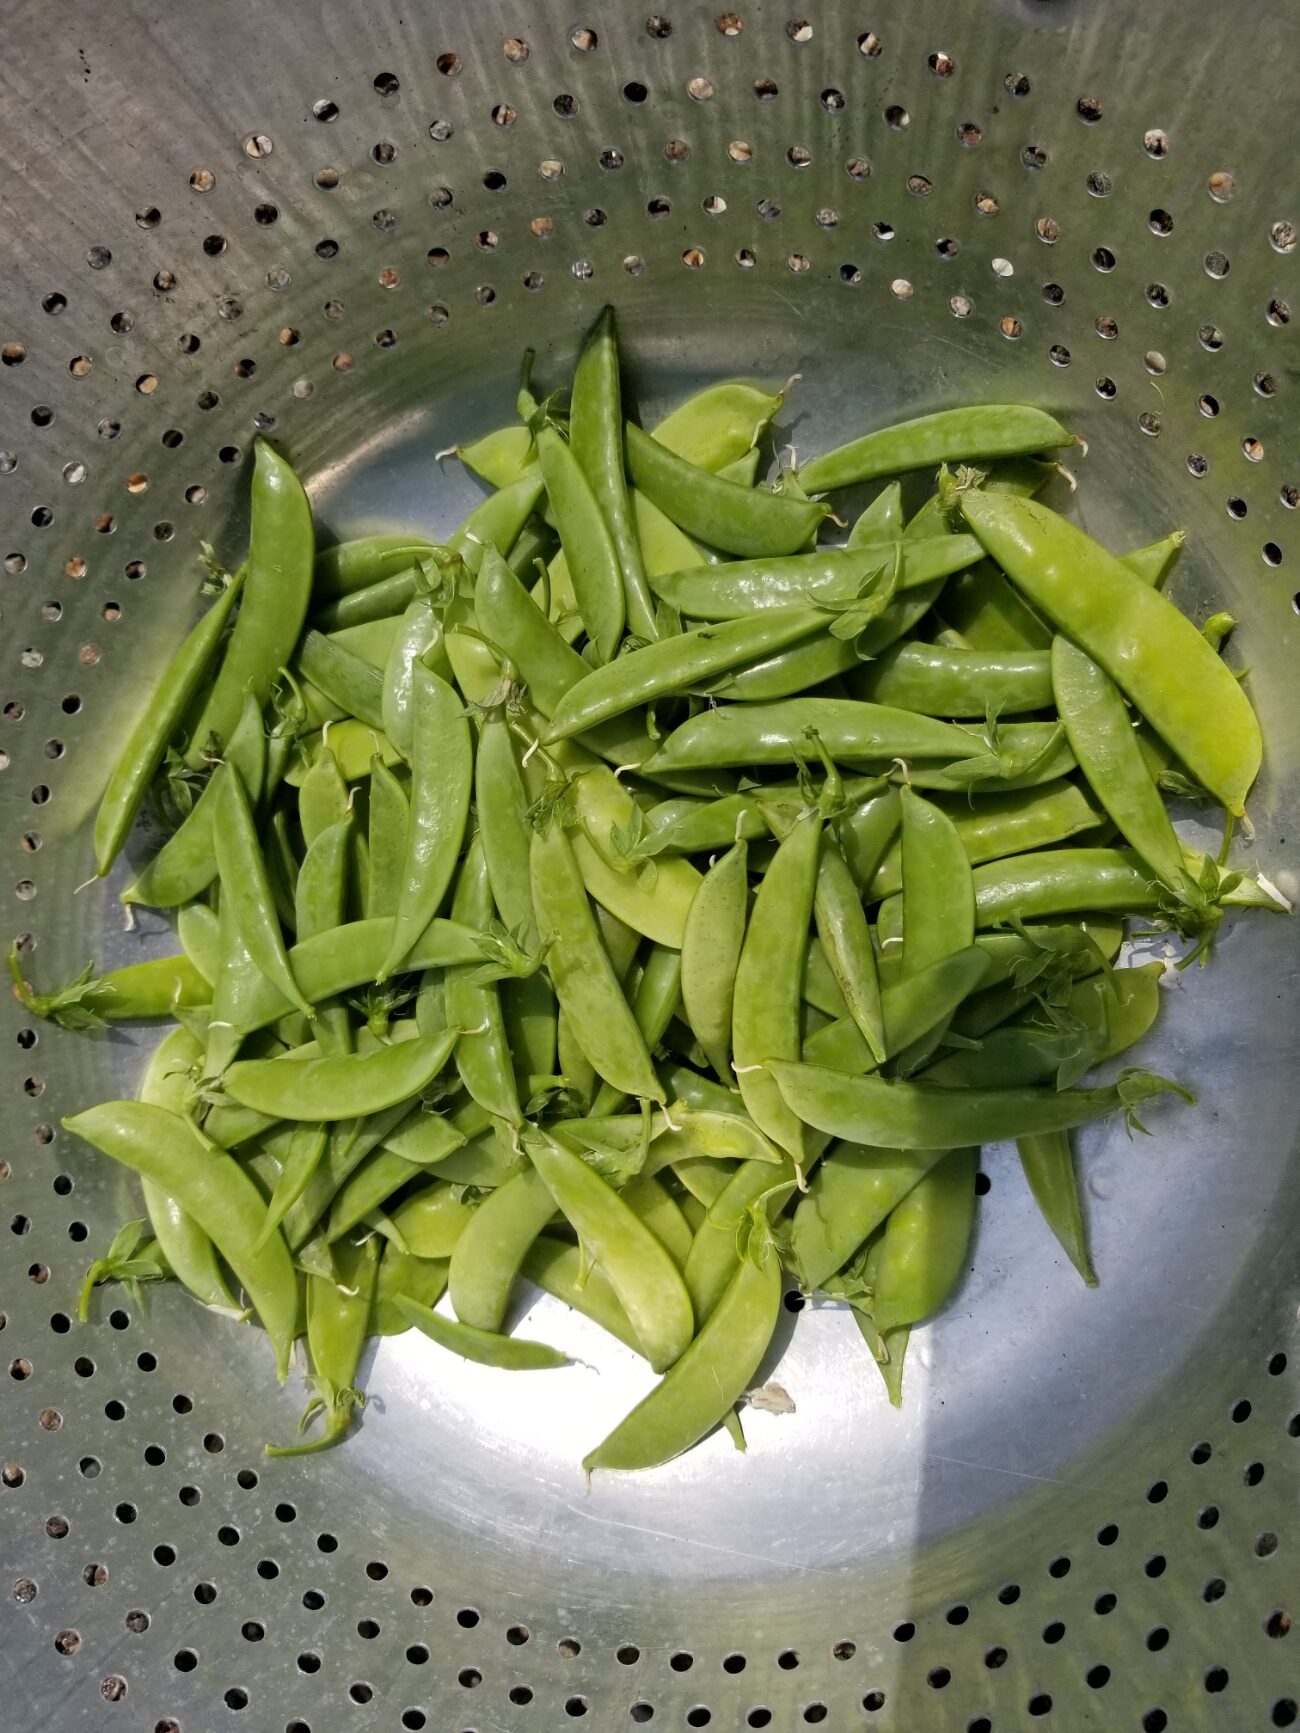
{"x": 741, "y": 520}
{"x": 852, "y": 733}
{"x": 937, "y": 680}
{"x": 355, "y": 565}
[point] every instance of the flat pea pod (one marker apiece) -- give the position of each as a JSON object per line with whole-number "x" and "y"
{"x": 378, "y": 1178}
{"x": 419, "y": 632}
{"x": 186, "y": 864}
{"x": 371, "y": 640}
{"x": 937, "y": 680}
{"x": 926, "y": 1239}
{"x": 431, "y": 1220}
{"x": 353, "y": 685}
{"x": 1048, "y": 1164}
{"x": 531, "y": 1015}
{"x": 560, "y": 1270}
{"x": 997, "y": 825}
{"x": 589, "y": 550}
{"x": 825, "y": 575}
{"x": 274, "y": 604}
{"x": 198, "y": 928}
{"x": 389, "y": 822}
{"x": 347, "y": 1146}
{"x": 442, "y": 774}
{"x": 925, "y": 1116}
{"x": 938, "y": 885}
{"x": 421, "y": 1279}
{"x": 213, "y": 1190}
{"x": 235, "y": 992}
{"x": 853, "y": 1191}
{"x": 340, "y": 1086}
{"x": 492, "y": 1246}
{"x": 501, "y": 800}
{"x": 725, "y": 514}
{"x": 354, "y": 565}
{"x": 711, "y": 947}
{"x": 852, "y": 732}
{"x": 664, "y": 548}
{"x": 846, "y": 941}
{"x": 719, "y": 424}
{"x": 484, "y": 1347}
{"x": 338, "y": 1323}
{"x": 655, "y": 999}
{"x": 1024, "y": 755}
{"x": 910, "y": 1009}
{"x": 1153, "y": 653}
{"x": 596, "y": 438}
{"x": 244, "y": 883}
{"x": 769, "y": 977}
{"x": 586, "y": 985}
{"x": 322, "y": 796}
{"x": 949, "y": 436}
{"x": 809, "y": 663}
{"x": 147, "y": 741}
{"x": 1101, "y": 736}
{"x": 712, "y": 1374}
{"x": 482, "y": 1053}
{"x": 502, "y": 456}
{"x": 304, "y": 1149}
{"x": 637, "y": 1265}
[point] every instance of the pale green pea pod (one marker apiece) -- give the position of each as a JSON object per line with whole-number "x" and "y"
{"x": 925, "y": 1243}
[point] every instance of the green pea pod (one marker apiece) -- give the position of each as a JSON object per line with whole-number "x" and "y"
{"x": 563, "y": 1271}
{"x": 664, "y": 548}
{"x": 432, "y": 1220}
{"x": 826, "y": 576}
{"x": 846, "y": 941}
{"x": 820, "y": 989}
{"x": 482, "y": 1054}
{"x": 866, "y": 832}
{"x": 657, "y": 1209}
{"x": 1154, "y": 562}
{"x": 654, "y": 1003}
{"x": 322, "y": 798}
{"x": 910, "y": 1009}
{"x": 589, "y": 549}
{"x": 378, "y": 1178}
{"x": 1101, "y": 736}
{"x": 639, "y": 1268}
{"x": 211, "y": 1188}
{"x": 950, "y": 436}
{"x": 711, "y": 947}
{"x": 355, "y": 565}
{"x": 718, "y": 425}
{"x": 711, "y": 1375}
{"x": 198, "y": 928}
{"x": 1048, "y": 1164}
{"x": 186, "y": 864}
{"x": 235, "y": 992}
{"x": 939, "y": 681}
{"x": 927, "y": 1237}
{"x": 422, "y": 1279}
{"x": 924, "y": 1116}
{"x": 244, "y": 884}
{"x": 989, "y": 613}
{"x": 492, "y": 1246}
{"x": 389, "y": 822}
{"x": 530, "y": 1011}
{"x": 508, "y": 1353}
{"x": 280, "y": 555}
{"x": 343, "y": 1085}
{"x": 725, "y": 514}
{"x": 851, "y": 732}
{"x": 383, "y": 600}
{"x": 1020, "y": 755}
{"x": 938, "y": 885}
{"x": 769, "y": 976}
{"x": 304, "y": 1149}
{"x": 147, "y": 741}
{"x": 1154, "y": 653}
{"x": 348, "y": 1145}
{"x": 371, "y": 640}
{"x": 442, "y": 772}
{"x": 338, "y": 1322}
{"x": 355, "y": 686}
{"x": 789, "y": 672}
{"x": 501, "y": 800}
{"x": 419, "y": 632}
{"x": 596, "y": 435}
{"x": 584, "y": 979}
{"x": 497, "y": 520}
{"x": 501, "y": 456}
{"x": 852, "y": 1192}
{"x": 655, "y": 903}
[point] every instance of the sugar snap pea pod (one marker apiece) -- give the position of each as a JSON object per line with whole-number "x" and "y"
{"x": 383, "y": 600}
{"x": 432, "y": 1220}
{"x": 1100, "y": 731}
{"x": 719, "y": 424}
{"x": 422, "y": 1279}
{"x": 1153, "y": 653}
{"x": 348, "y": 1145}
{"x": 651, "y": 1204}
{"x": 639, "y": 1268}
{"x": 355, "y": 565}
{"x": 925, "y": 1116}
{"x": 950, "y": 436}
{"x": 322, "y": 797}
{"x": 280, "y": 556}
{"x": 819, "y": 987}
{"x": 621, "y": 942}
{"x": 664, "y": 548}
{"x": 485, "y": 1347}
{"x": 1048, "y": 1163}
{"x": 938, "y": 888}
{"x": 244, "y": 885}
{"x": 420, "y": 632}
{"x": 235, "y": 993}
{"x": 769, "y": 977}
{"x": 825, "y": 575}
{"x": 1154, "y": 562}
{"x": 340, "y": 1086}
{"x": 198, "y": 928}
{"x": 810, "y": 663}
{"x": 1054, "y": 882}
{"x": 530, "y": 1014}
{"x": 368, "y": 1189}
{"x": 352, "y": 684}
{"x": 853, "y": 1191}
{"x": 589, "y": 550}
{"x": 338, "y": 1322}
{"x": 501, "y": 456}
{"x": 212, "y": 1189}
{"x": 425, "y": 1139}
{"x": 846, "y": 941}
{"x": 851, "y": 732}
{"x": 910, "y": 1009}
{"x": 655, "y": 999}
{"x": 584, "y": 979}
{"x": 692, "y": 1090}
{"x": 281, "y": 862}
{"x": 701, "y": 1389}
{"x": 926, "y": 1239}
{"x": 940, "y": 681}
{"x": 186, "y": 864}
{"x": 560, "y": 1270}
{"x": 989, "y": 612}
{"x": 304, "y": 1148}
{"x": 676, "y": 664}
{"x": 139, "y": 991}
{"x": 866, "y": 831}
{"x": 491, "y": 1248}
{"x": 371, "y": 640}
{"x": 655, "y": 903}
{"x": 497, "y": 520}
{"x": 596, "y": 436}
{"x": 501, "y": 800}
{"x": 997, "y": 825}
{"x": 482, "y": 1054}
{"x": 1020, "y": 755}
{"x": 147, "y": 741}
{"x": 442, "y": 772}
{"x": 740, "y": 520}
{"x": 711, "y": 946}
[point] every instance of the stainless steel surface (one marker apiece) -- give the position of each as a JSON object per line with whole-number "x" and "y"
{"x": 343, "y": 225}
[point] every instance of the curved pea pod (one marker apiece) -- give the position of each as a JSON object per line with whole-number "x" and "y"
{"x": 498, "y": 520}
{"x": 725, "y": 514}
{"x": 655, "y": 903}
{"x": 588, "y": 989}
{"x": 371, "y": 640}
{"x": 718, "y": 425}
{"x": 355, "y": 565}
{"x": 274, "y": 605}
{"x": 1153, "y": 653}
{"x": 338, "y": 1323}
{"x": 485, "y": 1347}
{"x": 853, "y": 1191}
{"x": 926, "y": 1239}
{"x": 788, "y": 673}
{"x": 1101, "y": 736}
{"x": 950, "y": 436}
{"x": 675, "y": 664}
{"x": 846, "y": 941}
{"x": 711, "y": 947}
{"x": 432, "y": 1220}
{"x": 349, "y": 685}
{"x": 400, "y": 1273}
{"x": 501, "y": 800}
{"x": 937, "y": 680}
{"x": 654, "y": 1004}
{"x": 707, "y": 1134}
{"x": 769, "y": 978}
{"x": 244, "y": 884}
{"x": 340, "y": 1086}
{"x": 198, "y": 928}
{"x": 419, "y": 632}
{"x": 589, "y": 550}
{"x": 147, "y": 741}
{"x": 852, "y": 732}
{"x": 482, "y": 1053}
{"x": 826, "y": 575}
{"x": 213, "y": 1191}
{"x": 487, "y": 1256}
{"x": 926, "y": 1116}
{"x": 442, "y": 774}
{"x": 866, "y": 831}
{"x": 910, "y": 1009}
{"x": 322, "y": 794}
{"x": 303, "y": 1148}
{"x": 700, "y": 1390}
{"x": 562, "y": 1271}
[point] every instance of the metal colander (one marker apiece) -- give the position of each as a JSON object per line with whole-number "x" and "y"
{"x": 342, "y": 226}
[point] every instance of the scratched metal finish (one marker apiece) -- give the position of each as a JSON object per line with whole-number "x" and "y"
{"x": 342, "y": 226}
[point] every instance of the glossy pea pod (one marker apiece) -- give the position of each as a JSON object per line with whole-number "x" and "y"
{"x": 655, "y": 999}
{"x": 501, "y": 801}
{"x": 400, "y": 1273}
{"x": 938, "y": 680}
{"x": 781, "y": 733}
{"x": 353, "y": 685}
{"x": 589, "y": 550}
{"x": 910, "y": 1009}
{"x": 926, "y": 1240}
{"x": 235, "y": 993}
{"x": 244, "y": 885}
{"x": 322, "y": 796}
{"x": 711, "y": 948}
{"x": 383, "y": 1173}
{"x": 718, "y": 425}
{"x": 487, "y": 1256}
{"x": 938, "y": 885}
{"x": 338, "y": 1323}
{"x": 846, "y": 941}
{"x": 355, "y": 565}
{"x": 950, "y": 436}
{"x": 482, "y": 1053}
{"x": 419, "y": 639}
{"x": 347, "y": 1146}
{"x": 484, "y": 1347}
{"x": 340, "y": 1086}
{"x": 851, "y": 1194}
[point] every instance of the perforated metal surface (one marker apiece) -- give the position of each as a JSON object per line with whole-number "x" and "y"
{"x": 342, "y": 226}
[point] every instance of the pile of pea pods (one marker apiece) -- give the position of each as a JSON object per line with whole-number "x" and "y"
{"x": 650, "y": 895}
